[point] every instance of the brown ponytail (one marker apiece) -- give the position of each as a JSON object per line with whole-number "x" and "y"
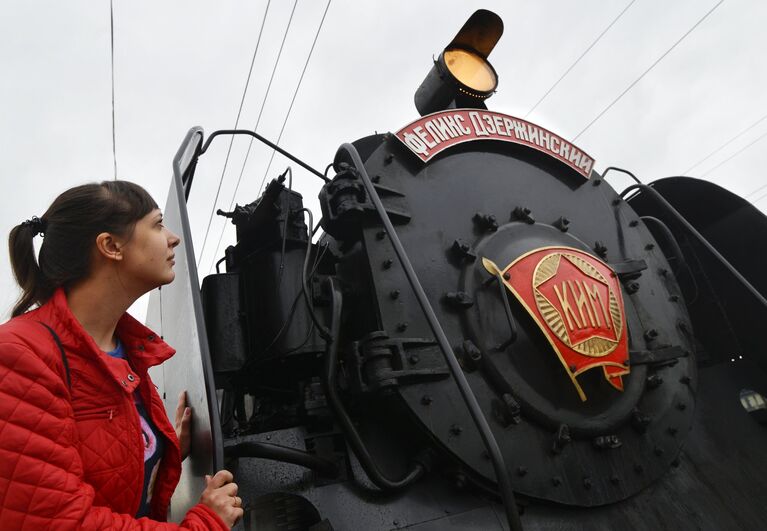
{"x": 69, "y": 227}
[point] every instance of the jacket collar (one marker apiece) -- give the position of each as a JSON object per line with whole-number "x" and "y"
{"x": 143, "y": 347}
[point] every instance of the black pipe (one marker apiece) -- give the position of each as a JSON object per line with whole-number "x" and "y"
{"x": 501, "y": 473}
{"x": 670, "y": 239}
{"x": 609, "y": 168}
{"x": 331, "y": 366}
{"x": 701, "y": 239}
{"x": 283, "y": 454}
{"x": 275, "y": 147}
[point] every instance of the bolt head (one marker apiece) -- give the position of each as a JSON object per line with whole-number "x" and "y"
{"x": 426, "y": 400}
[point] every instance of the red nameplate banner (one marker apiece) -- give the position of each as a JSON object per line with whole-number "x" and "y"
{"x": 434, "y": 133}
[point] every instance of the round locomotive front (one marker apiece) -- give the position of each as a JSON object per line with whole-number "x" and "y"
{"x": 552, "y": 292}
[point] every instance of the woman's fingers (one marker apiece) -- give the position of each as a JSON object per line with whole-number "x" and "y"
{"x": 180, "y": 409}
{"x": 221, "y": 478}
{"x": 230, "y": 489}
{"x": 221, "y": 495}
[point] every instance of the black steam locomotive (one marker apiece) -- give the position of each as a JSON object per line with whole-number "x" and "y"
{"x": 485, "y": 336}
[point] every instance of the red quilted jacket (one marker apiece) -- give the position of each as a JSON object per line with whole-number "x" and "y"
{"x": 74, "y": 459}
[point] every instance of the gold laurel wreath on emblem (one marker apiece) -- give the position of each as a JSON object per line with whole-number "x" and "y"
{"x": 595, "y": 347}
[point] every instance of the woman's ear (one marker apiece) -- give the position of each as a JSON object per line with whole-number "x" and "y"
{"x": 109, "y": 247}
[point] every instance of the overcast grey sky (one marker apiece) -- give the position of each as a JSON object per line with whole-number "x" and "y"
{"x": 184, "y": 63}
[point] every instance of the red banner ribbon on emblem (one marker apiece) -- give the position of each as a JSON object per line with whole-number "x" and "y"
{"x": 576, "y": 301}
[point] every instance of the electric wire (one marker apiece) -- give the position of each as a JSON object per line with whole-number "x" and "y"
{"x": 255, "y": 129}
{"x": 112, "y": 52}
{"x": 755, "y": 201}
{"x": 324, "y": 333}
{"x": 295, "y": 93}
{"x": 236, "y": 123}
{"x": 741, "y": 150}
{"x": 282, "y": 129}
{"x": 586, "y": 51}
{"x": 647, "y": 71}
{"x": 730, "y": 141}
{"x": 755, "y": 191}
{"x": 263, "y": 357}
{"x": 286, "y": 209}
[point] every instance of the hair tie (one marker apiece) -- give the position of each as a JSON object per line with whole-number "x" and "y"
{"x": 37, "y": 224}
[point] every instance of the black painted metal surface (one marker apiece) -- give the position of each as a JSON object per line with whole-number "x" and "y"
{"x": 528, "y": 198}
{"x": 674, "y": 450}
{"x": 727, "y": 316}
{"x": 718, "y": 483}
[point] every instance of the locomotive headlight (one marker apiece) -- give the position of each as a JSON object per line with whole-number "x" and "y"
{"x": 462, "y": 75}
{"x": 471, "y": 70}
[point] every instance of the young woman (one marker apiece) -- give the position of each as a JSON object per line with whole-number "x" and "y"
{"x": 84, "y": 439}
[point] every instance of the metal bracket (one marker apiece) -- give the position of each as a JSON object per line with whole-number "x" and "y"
{"x": 344, "y": 202}
{"x": 660, "y": 355}
{"x": 378, "y": 361}
{"x": 630, "y": 269}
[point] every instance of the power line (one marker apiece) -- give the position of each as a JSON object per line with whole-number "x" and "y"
{"x": 741, "y": 150}
{"x": 255, "y": 127}
{"x": 587, "y": 50}
{"x": 295, "y": 93}
{"x": 261, "y": 111}
{"x": 730, "y": 141}
{"x": 754, "y": 192}
{"x": 112, "y": 51}
{"x": 236, "y": 123}
{"x": 755, "y": 201}
{"x": 637, "y": 80}
{"x": 287, "y": 115}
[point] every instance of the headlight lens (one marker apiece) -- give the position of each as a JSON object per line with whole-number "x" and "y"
{"x": 471, "y": 70}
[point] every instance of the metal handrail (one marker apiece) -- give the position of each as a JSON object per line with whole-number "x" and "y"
{"x": 494, "y": 452}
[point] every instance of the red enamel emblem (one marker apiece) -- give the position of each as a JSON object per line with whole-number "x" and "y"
{"x": 576, "y": 301}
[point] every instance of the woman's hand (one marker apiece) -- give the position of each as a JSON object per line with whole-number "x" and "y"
{"x": 220, "y": 494}
{"x": 184, "y": 425}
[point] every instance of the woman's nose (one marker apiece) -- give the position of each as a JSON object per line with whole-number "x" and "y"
{"x": 173, "y": 240}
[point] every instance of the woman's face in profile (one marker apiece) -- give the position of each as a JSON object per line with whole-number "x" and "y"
{"x": 148, "y": 256}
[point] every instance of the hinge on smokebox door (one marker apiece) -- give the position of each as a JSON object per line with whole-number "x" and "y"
{"x": 377, "y": 362}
